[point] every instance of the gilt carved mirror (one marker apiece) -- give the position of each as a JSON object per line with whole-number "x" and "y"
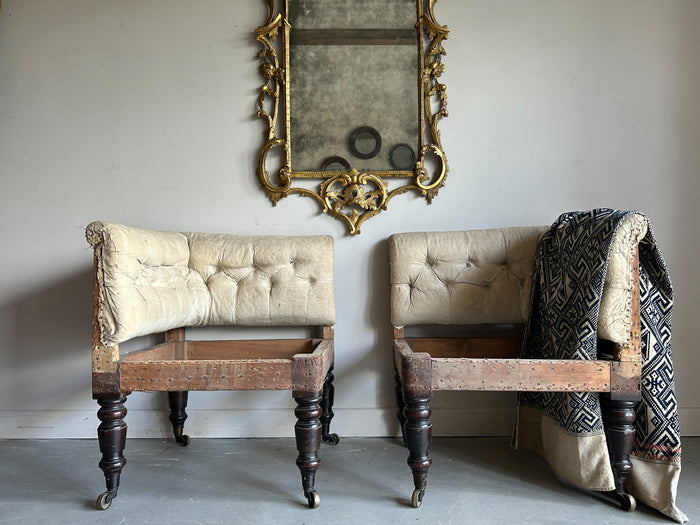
{"x": 352, "y": 101}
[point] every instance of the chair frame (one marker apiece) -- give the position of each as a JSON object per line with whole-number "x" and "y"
{"x": 178, "y": 366}
{"x": 427, "y": 364}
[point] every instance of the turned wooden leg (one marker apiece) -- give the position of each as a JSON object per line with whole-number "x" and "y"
{"x": 111, "y": 435}
{"x": 418, "y": 431}
{"x": 178, "y": 402}
{"x": 618, "y": 420}
{"x": 308, "y": 436}
{"x": 400, "y": 405}
{"x": 327, "y": 409}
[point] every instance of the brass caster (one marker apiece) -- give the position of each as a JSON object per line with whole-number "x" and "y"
{"x": 331, "y": 439}
{"x": 183, "y": 440}
{"x": 417, "y": 498}
{"x": 104, "y": 501}
{"x": 313, "y": 498}
{"x": 627, "y": 502}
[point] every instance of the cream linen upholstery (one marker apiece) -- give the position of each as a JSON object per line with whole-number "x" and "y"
{"x": 152, "y": 281}
{"x": 485, "y": 277}
{"x": 615, "y": 319}
{"x": 466, "y": 277}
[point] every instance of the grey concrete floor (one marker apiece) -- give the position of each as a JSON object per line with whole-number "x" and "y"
{"x": 361, "y": 481}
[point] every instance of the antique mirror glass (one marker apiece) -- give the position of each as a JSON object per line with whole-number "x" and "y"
{"x": 352, "y": 101}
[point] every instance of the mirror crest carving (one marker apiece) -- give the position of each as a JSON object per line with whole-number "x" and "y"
{"x": 351, "y": 100}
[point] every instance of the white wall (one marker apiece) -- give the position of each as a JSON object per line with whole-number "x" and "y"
{"x": 142, "y": 112}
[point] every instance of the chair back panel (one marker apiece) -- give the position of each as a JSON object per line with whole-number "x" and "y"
{"x": 462, "y": 277}
{"x": 151, "y": 281}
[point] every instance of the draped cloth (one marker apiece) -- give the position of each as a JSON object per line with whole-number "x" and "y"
{"x": 567, "y": 428}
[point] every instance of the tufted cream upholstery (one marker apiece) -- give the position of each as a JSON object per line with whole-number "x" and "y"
{"x": 153, "y": 281}
{"x": 466, "y": 277}
{"x": 485, "y": 277}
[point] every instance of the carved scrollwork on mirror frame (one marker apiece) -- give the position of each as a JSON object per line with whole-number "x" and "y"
{"x": 331, "y": 68}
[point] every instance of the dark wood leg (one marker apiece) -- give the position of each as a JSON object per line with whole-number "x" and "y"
{"x": 418, "y": 431}
{"x": 327, "y": 409}
{"x": 618, "y": 420}
{"x": 400, "y": 405}
{"x": 178, "y": 402}
{"x": 308, "y": 436}
{"x": 111, "y": 435}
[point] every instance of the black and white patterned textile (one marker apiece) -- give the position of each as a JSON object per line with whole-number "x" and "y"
{"x": 570, "y": 268}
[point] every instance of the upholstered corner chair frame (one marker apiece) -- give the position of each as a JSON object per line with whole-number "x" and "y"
{"x": 139, "y": 285}
{"x": 484, "y": 288}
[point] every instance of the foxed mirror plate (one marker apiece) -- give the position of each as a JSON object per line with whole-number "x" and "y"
{"x": 355, "y": 80}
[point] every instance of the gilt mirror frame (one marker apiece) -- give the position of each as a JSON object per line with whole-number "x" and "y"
{"x": 353, "y": 195}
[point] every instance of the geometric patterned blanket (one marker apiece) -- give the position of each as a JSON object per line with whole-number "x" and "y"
{"x": 567, "y": 428}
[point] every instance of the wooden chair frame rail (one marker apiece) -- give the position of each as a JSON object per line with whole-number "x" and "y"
{"x": 521, "y": 375}
{"x": 299, "y": 365}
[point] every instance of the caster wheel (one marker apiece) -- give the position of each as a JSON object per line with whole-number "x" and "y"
{"x": 417, "y": 498}
{"x": 183, "y": 440}
{"x": 104, "y": 501}
{"x": 627, "y": 502}
{"x": 332, "y": 439}
{"x": 314, "y": 499}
